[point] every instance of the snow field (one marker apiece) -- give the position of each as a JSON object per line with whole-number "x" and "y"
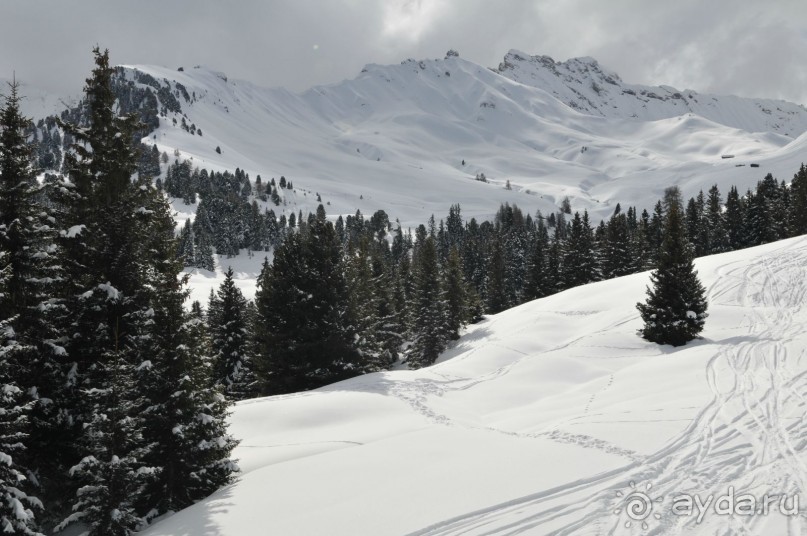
{"x": 538, "y": 416}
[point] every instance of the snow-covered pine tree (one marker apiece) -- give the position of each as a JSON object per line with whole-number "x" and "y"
{"x": 616, "y": 255}
{"x": 716, "y": 222}
{"x": 537, "y": 285}
{"x": 110, "y": 313}
{"x": 798, "y": 202}
{"x": 185, "y": 418}
{"x": 302, "y": 337}
{"x": 580, "y": 261}
{"x": 362, "y": 302}
{"x": 16, "y": 506}
{"x": 111, "y": 474}
{"x": 495, "y": 294}
{"x": 31, "y": 305}
{"x": 430, "y": 323}
{"x": 735, "y": 220}
{"x": 455, "y": 295}
{"x": 232, "y": 366}
{"x": 675, "y": 310}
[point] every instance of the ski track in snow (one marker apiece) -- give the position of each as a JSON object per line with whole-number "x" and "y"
{"x": 750, "y": 435}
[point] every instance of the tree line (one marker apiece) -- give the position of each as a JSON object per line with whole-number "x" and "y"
{"x": 348, "y": 296}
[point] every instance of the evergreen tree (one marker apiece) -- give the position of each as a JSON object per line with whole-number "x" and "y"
{"x": 107, "y": 298}
{"x": 579, "y": 263}
{"x": 302, "y": 336}
{"x": 495, "y": 282}
{"x": 617, "y": 259}
{"x": 716, "y": 222}
{"x": 675, "y": 310}
{"x": 735, "y": 220}
{"x": 232, "y": 367}
{"x": 429, "y": 308}
{"x": 186, "y": 428}
{"x": 131, "y": 374}
{"x": 16, "y": 506}
{"x": 29, "y": 308}
{"x": 538, "y": 284}
{"x": 455, "y": 295}
{"x": 798, "y": 202}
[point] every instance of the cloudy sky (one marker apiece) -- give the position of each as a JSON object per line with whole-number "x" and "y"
{"x": 743, "y": 47}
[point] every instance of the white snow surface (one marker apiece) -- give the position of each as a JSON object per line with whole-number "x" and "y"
{"x": 538, "y": 416}
{"x": 396, "y": 136}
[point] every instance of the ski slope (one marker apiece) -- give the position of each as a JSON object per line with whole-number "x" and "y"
{"x": 537, "y": 418}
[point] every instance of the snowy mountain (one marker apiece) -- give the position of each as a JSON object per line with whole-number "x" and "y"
{"x": 412, "y": 138}
{"x": 396, "y": 138}
{"x": 539, "y": 416}
{"x": 586, "y": 86}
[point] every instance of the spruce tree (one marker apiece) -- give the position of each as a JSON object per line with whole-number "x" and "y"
{"x": 131, "y": 387}
{"x": 185, "y": 417}
{"x": 675, "y": 310}
{"x": 110, "y": 312}
{"x": 537, "y": 285}
{"x": 495, "y": 293}
{"x": 232, "y": 367}
{"x": 798, "y": 202}
{"x": 29, "y": 308}
{"x": 716, "y": 222}
{"x": 735, "y": 220}
{"x": 16, "y": 506}
{"x": 303, "y": 339}
{"x": 456, "y": 295}
{"x": 430, "y": 326}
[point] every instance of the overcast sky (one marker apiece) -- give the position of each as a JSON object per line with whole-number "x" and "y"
{"x": 742, "y": 47}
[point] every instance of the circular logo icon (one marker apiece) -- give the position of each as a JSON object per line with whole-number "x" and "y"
{"x": 637, "y": 505}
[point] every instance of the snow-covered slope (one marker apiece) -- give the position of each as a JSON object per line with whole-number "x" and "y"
{"x": 588, "y": 87}
{"x": 539, "y": 416}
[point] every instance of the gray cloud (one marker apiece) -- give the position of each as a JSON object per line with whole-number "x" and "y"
{"x": 724, "y": 46}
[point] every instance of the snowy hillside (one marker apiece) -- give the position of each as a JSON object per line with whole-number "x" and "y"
{"x": 539, "y": 416}
{"x": 586, "y": 86}
{"x": 396, "y": 137}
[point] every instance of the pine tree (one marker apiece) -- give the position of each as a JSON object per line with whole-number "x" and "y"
{"x": 495, "y": 294}
{"x": 580, "y": 261}
{"x": 429, "y": 308}
{"x": 538, "y": 284}
{"x": 617, "y": 259}
{"x": 110, "y": 314}
{"x": 675, "y": 310}
{"x": 232, "y": 367}
{"x": 302, "y": 336}
{"x": 186, "y": 428}
{"x": 16, "y": 506}
{"x": 29, "y": 305}
{"x": 455, "y": 295}
{"x": 798, "y": 202}
{"x": 716, "y": 222}
{"x": 735, "y": 220}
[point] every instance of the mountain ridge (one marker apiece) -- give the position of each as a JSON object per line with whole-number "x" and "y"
{"x": 588, "y": 87}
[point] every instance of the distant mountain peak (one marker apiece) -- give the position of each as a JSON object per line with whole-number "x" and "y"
{"x": 586, "y": 86}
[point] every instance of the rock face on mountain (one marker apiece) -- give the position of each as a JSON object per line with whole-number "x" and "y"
{"x": 586, "y": 86}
